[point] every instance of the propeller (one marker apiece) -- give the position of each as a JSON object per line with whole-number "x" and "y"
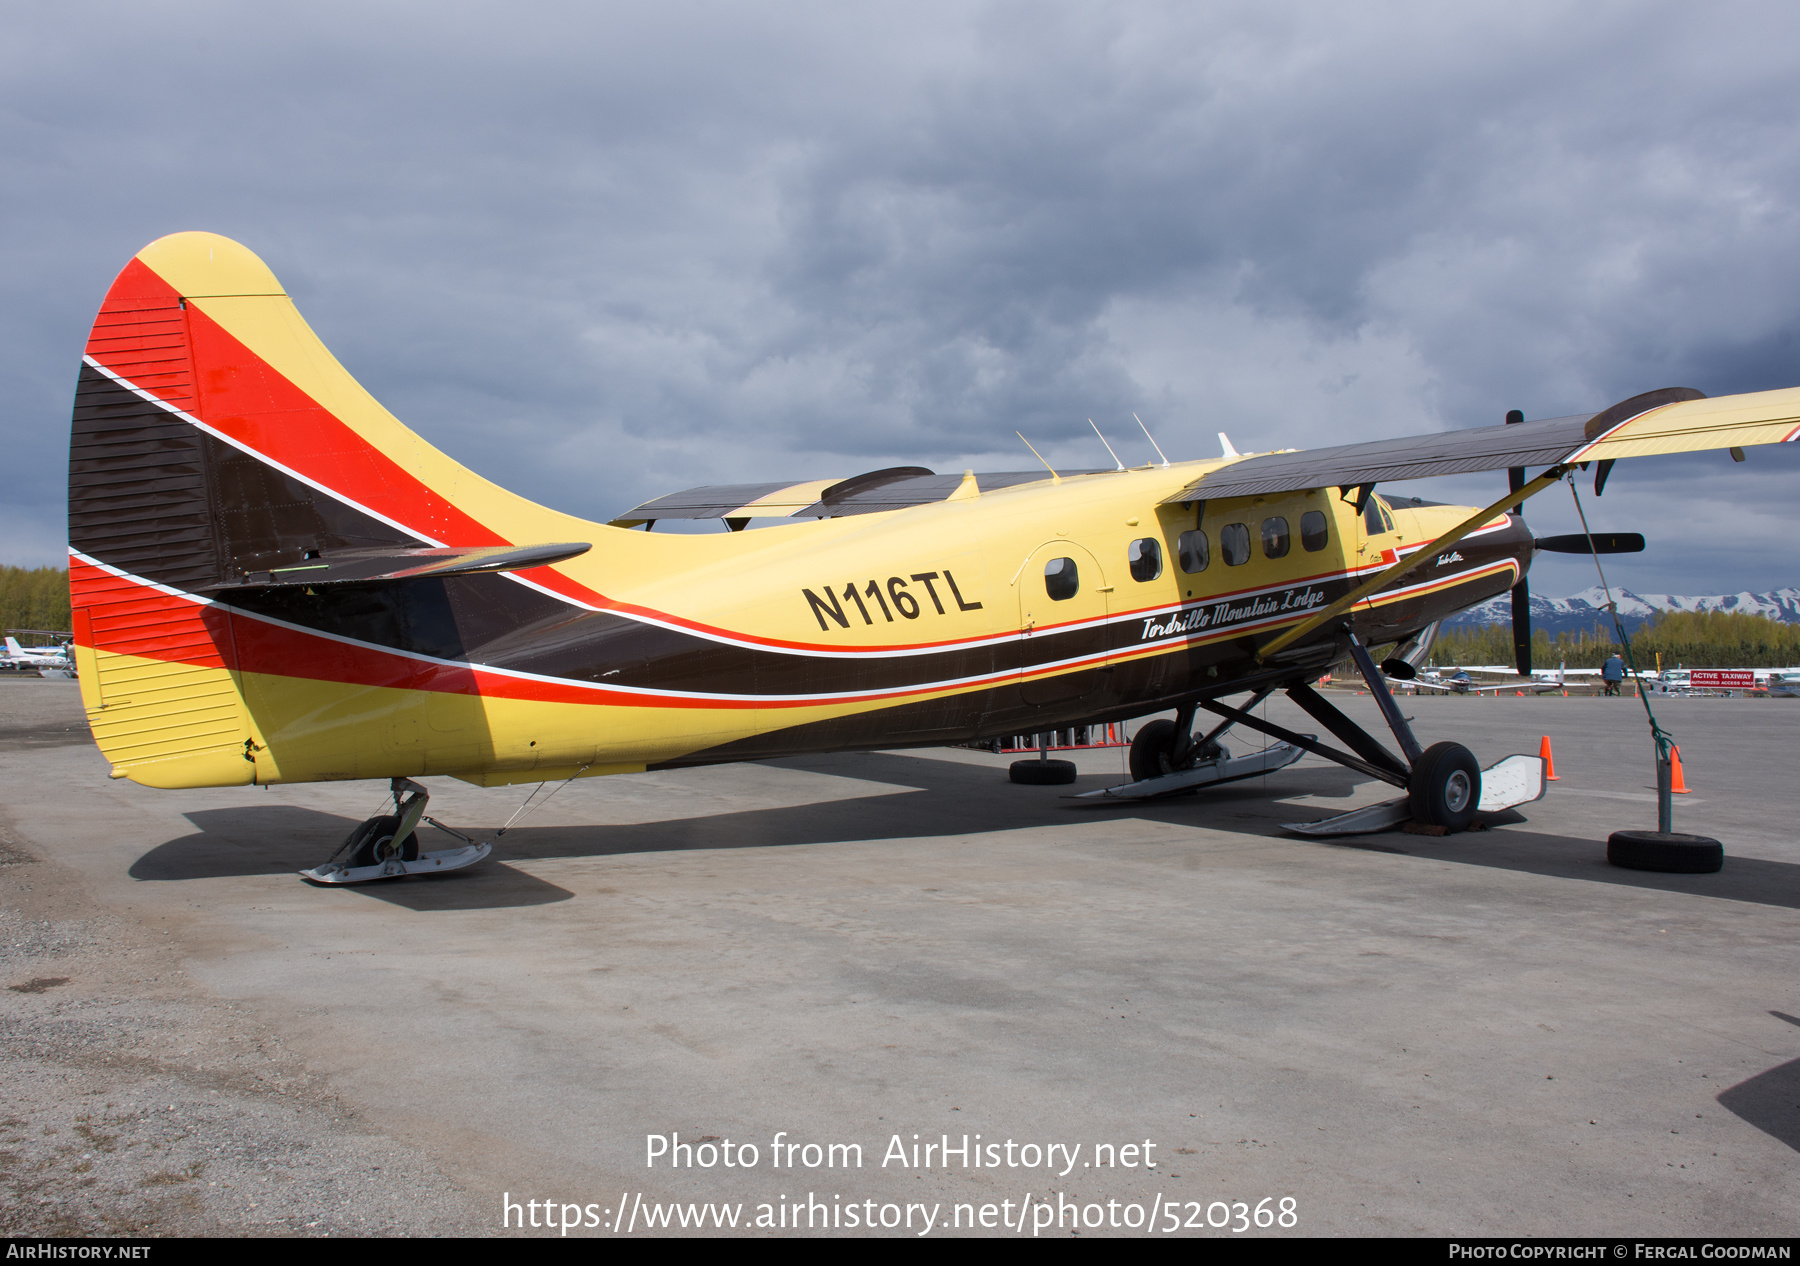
{"x": 1521, "y": 609}
{"x": 1603, "y": 543}
{"x": 1521, "y": 592}
{"x": 1574, "y": 543}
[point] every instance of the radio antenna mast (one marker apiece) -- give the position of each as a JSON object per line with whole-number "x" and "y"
{"x": 1109, "y": 447}
{"x": 1039, "y": 456}
{"x": 1152, "y": 439}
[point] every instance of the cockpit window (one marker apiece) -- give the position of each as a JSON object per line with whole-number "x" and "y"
{"x": 1234, "y": 544}
{"x": 1061, "y": 580}
{"x": 1376, "y": 518}
{"x": 1145, "y": 557}
{"x": 1313, "y": 534}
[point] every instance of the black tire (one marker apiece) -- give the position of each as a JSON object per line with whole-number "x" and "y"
{"x": 372, "y": 842}
{"x": 1042, "y": 773}
{"x": 1150, "y": 750}
{"x": 1445, "y": 786}
{"x": 1672, "y": 854}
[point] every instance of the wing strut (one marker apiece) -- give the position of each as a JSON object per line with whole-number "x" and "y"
{"x": 1412, "y": 562}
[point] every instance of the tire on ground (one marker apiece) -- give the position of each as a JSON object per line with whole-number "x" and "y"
{"x": 369, "y": 835}
{"x": 1042, "y": 773}
{"x": 1150, "y": 750}
{"x": 1672, "y": 854}
{"x": 1445, "y": 786}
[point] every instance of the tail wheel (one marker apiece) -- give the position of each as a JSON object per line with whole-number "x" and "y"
{"x": 372, "y": 842}
{"x": 1446, "y": 786}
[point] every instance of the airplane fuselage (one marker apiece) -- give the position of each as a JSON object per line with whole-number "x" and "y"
{"x": 1016, "y": 611}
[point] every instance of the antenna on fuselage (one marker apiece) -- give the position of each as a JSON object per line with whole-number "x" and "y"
{"x": 1151, "y": 438}
{"x": 1039, "y": 456}
{"x": 1109, "y": 448}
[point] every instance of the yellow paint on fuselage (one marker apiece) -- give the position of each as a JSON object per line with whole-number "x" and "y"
{"x": 752, "y": 583}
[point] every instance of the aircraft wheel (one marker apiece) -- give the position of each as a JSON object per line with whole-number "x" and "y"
{"x": 372, "y": 842}
{"x": 1672, "y": 854}
{"x": 1446, "y": 786}
{"x": 1042, "y": 773}
{"x": 1150, "y": 751}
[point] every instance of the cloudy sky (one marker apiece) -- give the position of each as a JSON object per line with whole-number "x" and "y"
{"x": 601, "y": 252}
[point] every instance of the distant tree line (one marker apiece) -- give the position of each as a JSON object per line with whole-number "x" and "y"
{"x": 1688, "y": 639}
{"x": 34, "y": 597}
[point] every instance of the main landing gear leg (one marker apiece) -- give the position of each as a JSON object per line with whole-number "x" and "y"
{"x": 1444, "y": 784}
{"x": 387, "y": 847}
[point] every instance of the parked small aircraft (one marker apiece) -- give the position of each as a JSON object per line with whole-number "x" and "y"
{"x": 274, "y": 580}
{"x": 1461, "y": 682}
{"x": 55, "y": 659}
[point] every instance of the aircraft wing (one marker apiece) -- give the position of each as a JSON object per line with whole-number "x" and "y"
{"x": 1671, "y": 420}
{"x": 895, "y": 488}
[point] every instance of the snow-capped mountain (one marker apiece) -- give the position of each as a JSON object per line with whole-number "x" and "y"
{"x": 1581, "y": 611}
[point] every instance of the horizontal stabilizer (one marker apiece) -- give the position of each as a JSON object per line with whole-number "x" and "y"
{"x": 370, "y": 566}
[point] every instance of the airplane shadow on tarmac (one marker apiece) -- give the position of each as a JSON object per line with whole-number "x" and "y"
{"x": 1770, "y": 1101}
{"x": 932, "y": 798}
{"x": 935, "y": 798}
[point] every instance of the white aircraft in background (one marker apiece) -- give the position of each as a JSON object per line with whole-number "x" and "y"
{"x": 48, "y": 660}
{"x": 1459, "y": 682}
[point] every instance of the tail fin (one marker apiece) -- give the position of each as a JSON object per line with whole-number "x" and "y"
{"x": 13, "y": 647}
{"x": 214, "y": 437}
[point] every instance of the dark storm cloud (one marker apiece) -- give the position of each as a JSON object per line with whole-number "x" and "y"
{"x": 600, "y": 253}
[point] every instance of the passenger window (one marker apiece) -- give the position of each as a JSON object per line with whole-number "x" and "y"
{"x": 1145, "y": 557}
{"x": 1313, "y": 536}
{"x": 1061, "y": 580}
{"x": 1275, "y": 537}
{"x": 1234, "y": 544}
{"x": 1193, "y": 551}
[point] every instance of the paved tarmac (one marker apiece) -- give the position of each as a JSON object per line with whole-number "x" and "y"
{"x": 1489, "y": 1034}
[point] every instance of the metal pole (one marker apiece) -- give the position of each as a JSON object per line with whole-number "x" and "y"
{"x": 1665, "y": 800}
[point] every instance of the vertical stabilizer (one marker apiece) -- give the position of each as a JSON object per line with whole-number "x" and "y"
{"x": 214, "y": 436}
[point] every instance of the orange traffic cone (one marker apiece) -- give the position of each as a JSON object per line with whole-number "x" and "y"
{"x": 1677, "y": 784}
{"x": 1548, "y": 759}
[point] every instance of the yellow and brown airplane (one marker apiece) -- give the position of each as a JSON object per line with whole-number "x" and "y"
{"x": 275, "y": 581}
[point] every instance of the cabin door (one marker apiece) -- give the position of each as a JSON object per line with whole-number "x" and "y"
{"x": 1062, "y": 621}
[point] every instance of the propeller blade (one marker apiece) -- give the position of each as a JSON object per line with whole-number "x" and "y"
{"x": 1515, "y": 475}
{"x": 1521, "y": 611}
{"x": 1604, "y": 543}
